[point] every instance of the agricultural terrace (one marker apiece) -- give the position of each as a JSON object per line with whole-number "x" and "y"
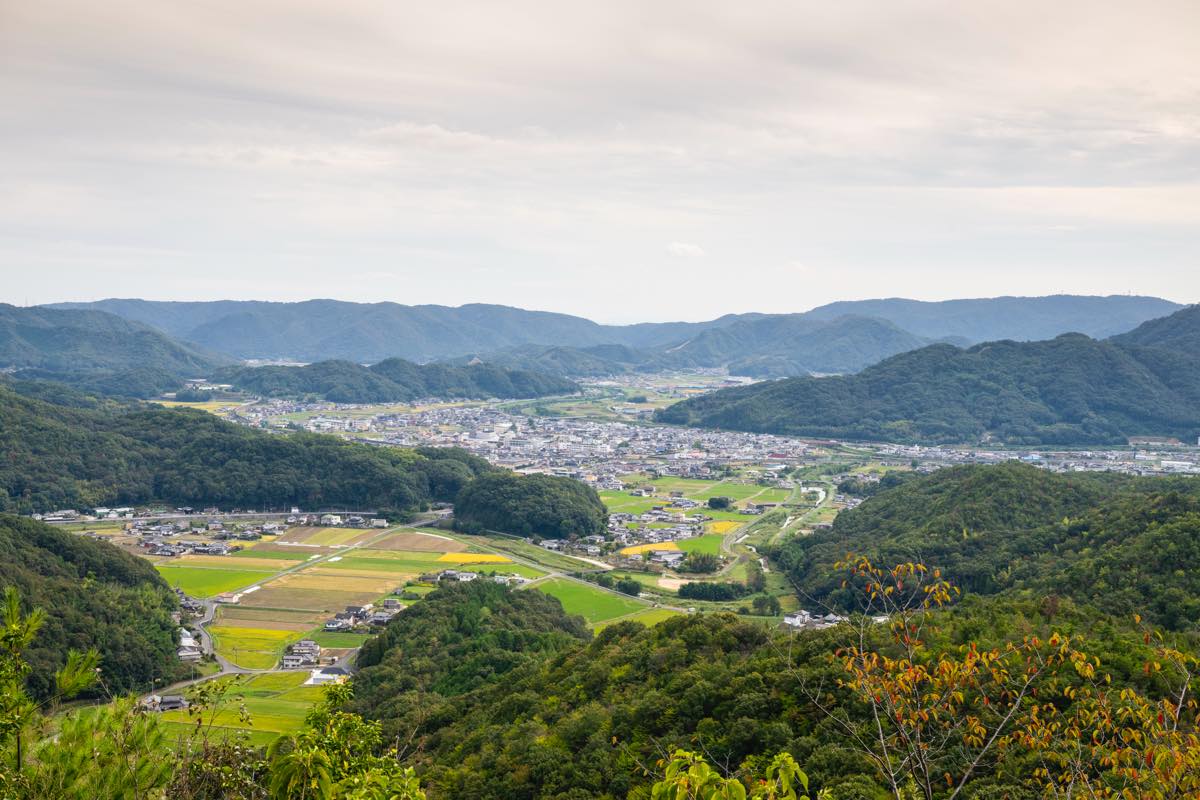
{"x": 314, "y": 574}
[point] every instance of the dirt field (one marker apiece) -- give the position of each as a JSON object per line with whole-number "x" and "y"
{"x": 426, "y": 542}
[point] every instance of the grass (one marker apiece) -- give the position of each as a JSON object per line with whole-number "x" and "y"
{"x": 649, "y": 618}
{"x": 252, "y": 648}
{"x": 208, "y": 581}
{"x": 592, "y": 603}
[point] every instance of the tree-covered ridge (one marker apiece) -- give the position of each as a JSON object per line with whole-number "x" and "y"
{"x": 1124, "y": 545}
{"x": 530, "y": 505}
{"x": 597, "y": 719}
{"x": 465, "y": 636}
{"x": 1069, "y": 390}
{"x": 67, "y": 457}
{"x": 90, "y": 341}
{"x": 97, "y": 352}
{"x": 97, "y": 597}
{"x": 392, "y": 380}
{"x": 1179, "y": 332}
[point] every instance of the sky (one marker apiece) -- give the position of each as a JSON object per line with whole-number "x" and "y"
{"x": 625, "y": 161}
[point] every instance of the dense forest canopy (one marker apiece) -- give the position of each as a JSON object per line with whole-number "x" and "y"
{"x": 530, "y": 505}
{"x": 1122, "y": 544}
{"x": 1069, "y": 390}
{"x": 543, "y": 712}
{"x": 96, "y": 596}
{"x": 97, "y": 352}
{"x": 71, "y": 457}
{"x": 392, "y": 380}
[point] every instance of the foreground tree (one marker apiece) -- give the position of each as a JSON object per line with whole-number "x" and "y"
{"x": 932, "y": 717}
{"x": 687, "y": 776}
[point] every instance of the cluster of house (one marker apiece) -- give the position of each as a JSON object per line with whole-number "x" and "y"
{"x": 354, "y": 616}
{"x": 463, "y": 576}
{"x": 351, "y": 521}
{"x": 592, "y": 545}
{"x": 304, "y": 653}
{"x": 805, "y": 621}
{"x": 164, "y": 702}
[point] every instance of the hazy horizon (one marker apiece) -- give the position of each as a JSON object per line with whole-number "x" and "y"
{"x": 600, "y": 320}
{"x": 621, "y": 162}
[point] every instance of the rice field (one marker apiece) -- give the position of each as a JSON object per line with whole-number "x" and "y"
{"x": 412, "y": 540}
{"x": 277, "y": 703}
{"x": 209, "y": 581}
{"x": 638, "y": 549}
{"x": 252, "y": 648}
{"x": 248, "y": 562}
{"x": 474, "y": 558}
{"x": 328, "y": 537}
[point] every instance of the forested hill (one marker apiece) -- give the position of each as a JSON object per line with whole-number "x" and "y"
{"x": 392, "y": 380}
{"x": 96, "y": 596}
{"x": 1022, "y": 318}
{"x": 55, "y": 456}
{"x": 97, "y": 351}
{"x": 1125, "y": 545}
{"x": 496, "y": 696}
{"x": 1068, "y": 390}
{"x": 1179, "y": 332}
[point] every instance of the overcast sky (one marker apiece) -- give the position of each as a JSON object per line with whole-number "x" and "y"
{"x": 623, "y": 161}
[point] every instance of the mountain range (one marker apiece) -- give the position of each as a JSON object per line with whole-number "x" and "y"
{"x": 836, "y": 338}
{"x": 1068, "y": 390}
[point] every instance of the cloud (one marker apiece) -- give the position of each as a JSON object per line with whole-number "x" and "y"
{"x": 907, "y": 148}
{"x": 685, "y": 250}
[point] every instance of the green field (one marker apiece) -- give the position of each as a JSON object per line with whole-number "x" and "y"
{"x": 592, "y": 603}
{"x": 708, "y": 543}
{"x": 209, "y": 581}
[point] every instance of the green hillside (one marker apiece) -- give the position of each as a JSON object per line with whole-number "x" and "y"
{"x": 1068, "y": 390}
{"x": 97, "y": 352}
{"x": 96, "y": 596}
{"x": 1179, "y": 332}
{"x": 1124, "y": 545}
{"x": 54, "y": 456}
